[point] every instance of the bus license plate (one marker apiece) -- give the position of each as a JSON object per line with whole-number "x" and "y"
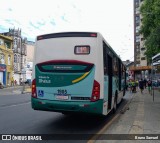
{"x": 62, "y": 97}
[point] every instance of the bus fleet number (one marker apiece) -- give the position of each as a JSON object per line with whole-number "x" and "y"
{"x": 62, "y": 92}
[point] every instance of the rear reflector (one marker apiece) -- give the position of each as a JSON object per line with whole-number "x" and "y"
{"x": 95, "y": 92}
{"x": 34, "y": 94}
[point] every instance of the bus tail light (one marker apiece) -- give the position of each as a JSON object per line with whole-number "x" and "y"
{"x": 96, "y": 91}
{"x": 34, "y": 94}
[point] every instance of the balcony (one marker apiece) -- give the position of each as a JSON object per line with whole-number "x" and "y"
{"x": 17, "y": 50}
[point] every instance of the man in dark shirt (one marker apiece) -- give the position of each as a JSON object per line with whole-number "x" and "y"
{"x": 141, "y": 85}
{"x": 145, "y": 82}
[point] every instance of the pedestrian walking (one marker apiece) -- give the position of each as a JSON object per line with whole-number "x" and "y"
{"x": 137, "y": 84}
{"x": 133, "y": 86}
{"x": 145, "y": 83}
{"x": 20, "y": 81}
{"x": 12, "y": 81}
{"x": 15, "y": 82}
{"x": 149, "y": 84}
{"x": 141, "y": 85}
{"x": 130, "y": 86}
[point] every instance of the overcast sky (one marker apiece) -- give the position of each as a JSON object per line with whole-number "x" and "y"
{"x": 112, "y": 18}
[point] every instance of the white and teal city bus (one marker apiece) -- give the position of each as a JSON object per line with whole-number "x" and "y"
{"x": 76, "y": 72}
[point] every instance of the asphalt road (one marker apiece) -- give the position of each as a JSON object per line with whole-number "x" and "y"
{"x": 17, "y": 117}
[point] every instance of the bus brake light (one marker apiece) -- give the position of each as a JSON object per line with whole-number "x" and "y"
{"x": 34, "y": 94}
{"x": 93, "y": 35}
{"x": 95, "y": 92}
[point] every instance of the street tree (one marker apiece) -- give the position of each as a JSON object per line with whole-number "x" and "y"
{"x": 150, "y": 28}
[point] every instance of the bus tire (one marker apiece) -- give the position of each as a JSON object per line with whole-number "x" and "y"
{"x": 115, "y": 105}
{"x": 66, "y": 113}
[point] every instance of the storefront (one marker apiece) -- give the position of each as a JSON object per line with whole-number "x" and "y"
{"x": 141, "y": 72}
{"x": 3, "y": 74}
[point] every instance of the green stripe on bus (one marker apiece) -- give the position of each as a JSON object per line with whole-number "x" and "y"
{"x": 50, "y": 79}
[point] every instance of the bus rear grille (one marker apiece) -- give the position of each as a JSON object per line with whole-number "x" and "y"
{"x": 80, "y": 98}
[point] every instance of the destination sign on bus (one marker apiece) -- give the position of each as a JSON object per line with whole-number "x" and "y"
{"x": 82, "y": 50}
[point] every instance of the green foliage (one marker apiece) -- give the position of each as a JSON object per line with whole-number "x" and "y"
{"x": 150, "y": 28}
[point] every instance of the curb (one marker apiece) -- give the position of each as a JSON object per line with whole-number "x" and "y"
{"x": 102, "y": 131}
{"x": 27, "y": 90}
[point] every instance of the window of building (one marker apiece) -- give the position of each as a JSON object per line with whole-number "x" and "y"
{"x": 15, "y": 58}
{"x": 137, "y": 38}
{"x": 137, "y": 29}
{"x": 138, "y": 56}
{"x": 2, "y": 58}
{"x": 137, "y": 62}
{"x": 137, "y": 3}
{"x": 137, "y": 19}
{"x": 18, "y": 60}
{"x": 143, "y": 58}
{"x": 138, "y": 46}
{"x": 15, "y": 41}
{"x": 1, "y": 42}
{"x": 142, "y": 49}
{"x": 7, "y": 44}
{"x": 137, "y": 10}
{"x": 138, "y": 24}
{"x": 9, "y": 59}
{"x": 15, "y": 44}
{"x": 19, "y": 50}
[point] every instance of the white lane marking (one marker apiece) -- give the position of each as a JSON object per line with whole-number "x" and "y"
{"x": 14, "y": 105}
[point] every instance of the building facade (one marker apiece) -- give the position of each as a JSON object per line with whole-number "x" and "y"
{"x": 6, "y": 60}
{"x": 129, "y": 74}
{"x": 30, "y": 47}
{"x": 20, "y": 52}
{"x": 29, "y": 64}
{"x": 141, "y": 68}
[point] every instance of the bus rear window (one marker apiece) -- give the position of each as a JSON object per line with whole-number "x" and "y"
{"x": 65, "y": 66}
{"x": 82, "y": 50}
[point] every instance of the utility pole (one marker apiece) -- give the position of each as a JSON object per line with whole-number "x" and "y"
{"x": 152, "y": 93}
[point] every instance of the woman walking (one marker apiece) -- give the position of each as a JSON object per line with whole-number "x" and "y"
{"x": 149, "y": 84}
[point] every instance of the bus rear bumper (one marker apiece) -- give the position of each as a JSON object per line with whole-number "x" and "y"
{"x": 68, "y": 106}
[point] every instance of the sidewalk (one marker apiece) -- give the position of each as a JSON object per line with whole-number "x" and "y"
{"x": 143, "y": 117}
{"x": 12, "y": 90}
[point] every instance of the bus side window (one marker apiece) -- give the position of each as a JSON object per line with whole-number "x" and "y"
{"x": 105, "y": 59}
{"x": 115, "y": 66}
{"x": 119, "y": 73}
{"x": 123, "y": 76}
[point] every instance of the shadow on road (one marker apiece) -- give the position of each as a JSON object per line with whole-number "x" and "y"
{"x": 78, "y": 123}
